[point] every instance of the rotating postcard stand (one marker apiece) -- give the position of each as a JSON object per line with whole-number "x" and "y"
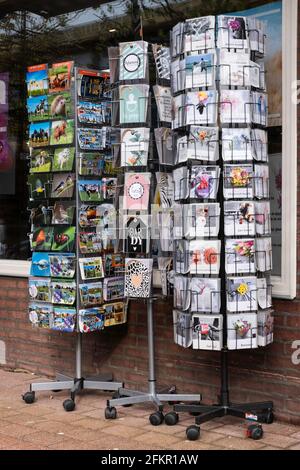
{"x": 251, "y": 113}
{"x": 66, "y": 382}
{"x": 141, "y": 184}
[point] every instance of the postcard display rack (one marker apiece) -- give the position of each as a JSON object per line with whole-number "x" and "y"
{"x": 132, "y": 115}
{"x": 76, "y": 282}
{"x": 223, "y": 253}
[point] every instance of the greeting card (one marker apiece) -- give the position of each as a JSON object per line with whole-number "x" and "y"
{"x": 178, "y": 111}
{"x": 182, "y": 326}
{"x": 61, "y": 106}
{"x": 163, "y": 102}
{"x": 236, "y": 69}
{"x": 265, "y": 327}
{"x": 260, "y": 141}
{"x": 136, "y": 233}
{"x": 264, "y": 254}
{"x": 135, "y": 146}
{"x": 91, "y": 294}
{"x": 261, "y": 181}
{"x": 91, "y": 268}
{"x": 264, "y": 292}
{"x": 241, "y": 294}
{"x": 201, "y": 107}
{"x": 176, "y": 39}
{"x": 201, "y": 220}
{"x": 235, "y": 107}
{"x": 40, "y": 265}
{"x": 63, "y": 159}
{"x": 64, "y": 319}
{"x": 133, "y": 60}
{"x": 63, "y": 239}
{"x": 204, "y": 182}
{"x": 260, "y": 108}
{"x": 238, "y": 181}
{"x": 93, "y": 84}
{"x": 204, "y": 256}
{"x": 162, "y": 61}
{"x": 242, "y": 331}
{"x": 199, "y": 70}
{"x": 63, "y": 292}
{"x": 240, "y": 256}
{"x": 40, "y": 161}
{"x": 165, "y": 185}
{"x": 237, "y": 144}
{"x": 40, "y": 314}
{"x": 115, "y": 313}
{"x": 181, "y": 256}
{"x": 257, "y": 34}
{"x": 232, "y": 32}
{"x": 62, "y": 265}
{"x": 41, "y": 239}
{"x": 199, "y": 34}
{"x": 207, "y": 332}
{"x": 39, "y": 289}
{"x": 136, "y": 191}
{"x": 37, "y": 108}
{"x": 205, "y": 294}
{"x": 239, "y": 218}
{"x": 263, "y": 217}
{"x": 138, "y": 277}
{"x": 113, "y": 288}
{"x": 90, "y": 319}
{"x": 62, "y": 132}
{"x": 60, "y": 77}
{"x": 177, "y": 75}
{"x": 133, "y": 103}
{"x": 164, "y": 145}
{"x": 181, "y": 183}
{"x": 37, "y": 80}
{"x": 63, "y": 185}
{"x": 166, "y": 228}
{"x": 63, "y": 213}
{"x": 39, "y": 134}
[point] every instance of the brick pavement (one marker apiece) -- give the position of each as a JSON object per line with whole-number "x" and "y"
{"x": 45, "y": 425}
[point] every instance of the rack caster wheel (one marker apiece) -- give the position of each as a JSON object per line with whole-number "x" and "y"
{"x": 110, "y": 412}
{"x": 255, "y": 431}
{"x": 156, "y": 418}
{"x": 69, "y": 405}
{"x": 117, "y": 395}
{"x": 171, "y": 418}
{"x": 29, "y": 397}
{"x": 193, "y": 432}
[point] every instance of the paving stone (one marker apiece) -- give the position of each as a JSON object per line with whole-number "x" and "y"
{"x": 235, "y": 443}
{"x": 155, "y": 437}
{"x": 278, "y": 440}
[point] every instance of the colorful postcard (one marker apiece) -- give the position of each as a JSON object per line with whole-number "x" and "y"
{"x": 115, "y": 313}
{"x": 63, "y": 239}
{"x": 40, "y": 314}
{"x": 138, "y": 277}
{"x": 201, "y": 220}
{"x": 91, "y": 294}
{"x": 241, "y": 294}
{"x": 63, "y": 213}
{"x": 62, "y": 265}
{"x": 134, "y": 146}
{"x": 133, "y": 103}
{"x": 90, "y": 242}
{"x": 42, "y": 239}
{"x": 37, "y": 80}
{"x": 40, "y": 161}
{"x": 89, "y": 215}
{"x": 63, "y": 292}
{"x": 91, "y": 268}
{"x": 39, "y": 289}
{"x": 61, "y": 106}
{"x": 37, "y": 108}
{"x": 93, "y": 84}
{"x": 201, "y": 107}
{"x": 204, "y": 256}
{"x": 91, "y": 164}
{"x": 63, "y": 159}
{"x": 60, "y": 75}
{"x": 238, "y": 181}
{"x": 63, "y": 185}
{"x": 199, "y": 70}
{"x": 204, "y": 182}
{"x": 205, "y": 294}
{"x": 91, "y": 139}
{"x": 40, "y": 265}
{"x": 182, "y": 327}
{"x": 207, "y": 332}
{"x": 64, "y": 319}
{"x": 90, "y": 319}
{"x": 114, "y": 264}
{"x": 109, "y": 187}
{"x": 239, "y": 218}
{"x": 237, "y": 144}
{"x": 136, "y": 191}
{"x": 113, "y": 288}
{"x": 90, "y": 112}
{"x": 39, "y": 134}
{"x": 242, "y": 331}
{"x": 133, "y": 60}
{"x": 90, "y": 190}
{"x": 62, "y": 132}
{"x": 240, "y": 256}
{"x": 38, "y": 186}
{"x": 232, "y": 32}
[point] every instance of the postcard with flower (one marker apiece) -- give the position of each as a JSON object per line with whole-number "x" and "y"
{"x": 232, "y": 32}
{"x": 134, "y": 146}
{"x": 242, "y": 331}
{"x": 207, "y": 332}
{"x": 203, "y": 144}
{"x": 201, "y": 107}
{"x": 201, "y": 220}
{"x": 204, "y": 182}
{"x": 235, "y": 107}
{"x": 204, "y": 256}
{"x": 240, "y": 256}
{"x": 238, "y": 181}
{"x": 241, "y": 294}
{"x": 239, "y": 218}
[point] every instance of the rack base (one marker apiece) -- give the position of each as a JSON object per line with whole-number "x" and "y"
{"x": 254, "y": 412}
{"x": 74, "y": 385}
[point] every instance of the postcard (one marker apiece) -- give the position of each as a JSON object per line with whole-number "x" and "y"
{"x": 62, "y": 132}
{"x": 90, "y": 112}
{"x": 64, "y": 319}
{"x": 257, "y": 34}
{"x": 107, "y": 226}
{"x": 240, "y": 256}
{"x": 162, "y": 61}
{"x": 176, "y": 39}
{"x": 207, "y": 332}
{"x": 63, "y": 213}
{"x": 164, "y": 145}
{"x": 113, "y": 288}
{"x": 204, "y": 182}
{"x": 133, "y": 60}
{"x": 39, "y": 185}
{"x": 37, "y": 108}
{"x": 42, "y": 239}
{"x": 135, "y": 146}
{"x": 165, "y": 267}
{"x": 89, "y": 215}
{"x": 41, "y": 215}
{"x": 236, "y": 69}
{"x": 136, "y": 191}
{"x": 133, "y": 103}
{"x": 181, "y": 183}
{"x": 63, "y": 239}
{"x": 181, "y": 256}
{"x": 201, "y": 220}
{"x": 264, "y": 292}
{"x": 204, "y": 256}
{"x": 199, "y": 34}
{"x": 39, "y": 133}
{"x": 165, "y": 223}
{"x": 93, "y": 84}
{"x": 260, "y": 108}
{"x": 91, "y": 268}
{"x": 182, "y": 327}
{"x": 90, "y": 242}
{"x": 138, "y": 277}
{"x": 40, "y": 265}
{"x": 165, "y": 187}
{"x": 40, "y": 314}
{"x": 261, "y": 181}
{"x": 39, "y": 289}
{"x": 63, "y": 185}
{"x": 90, "y": 319}
{"x": 91, "y": 294}
{"x": 63, "y": 292}
{"x": 239, "y": 218}
{"x": 238, "y": 181}
{"x": 265, "y": 327}
{"x": 90, "y": 190}
{"x": 60, "y": 75}
{"x": 181, "y": 294}
{"x": 91, "y": 164}
{"x": 115, "y": 313}
{"x": 177, "y": 75}
{"x": 199, "y": 70}
{"x": 201, "y": 107}
{"x": 235, "y": 107}
{"x": 242, "y": 331}
{"x": 63, "y": 159}
{"x": 61, "y": 106}
{"x": 163, "y": 100}
{"x": 178, "y": 111}
{"x": 109, "y": 187}
{"x": 262, "y": 217}
{"x": 37, "y": 80}
{"x": 91, "y": 139}
{"x": 237, "y": 145}
{"x": 40, "y": 161}
{"x": 232, "y": 32}
{"x": 260, "y": 141}
{"x": 241, "y": 294}
{"x": 201, "y": 144}
{"x": 114, "y": 264}
{"x": 205, "y": 294}
{"x": 136, "y": 233}
{"x": 264, "y": 254}
{"x": 62, "y": 265}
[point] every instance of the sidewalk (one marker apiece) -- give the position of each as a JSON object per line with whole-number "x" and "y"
{"x": 45, "y": 425}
